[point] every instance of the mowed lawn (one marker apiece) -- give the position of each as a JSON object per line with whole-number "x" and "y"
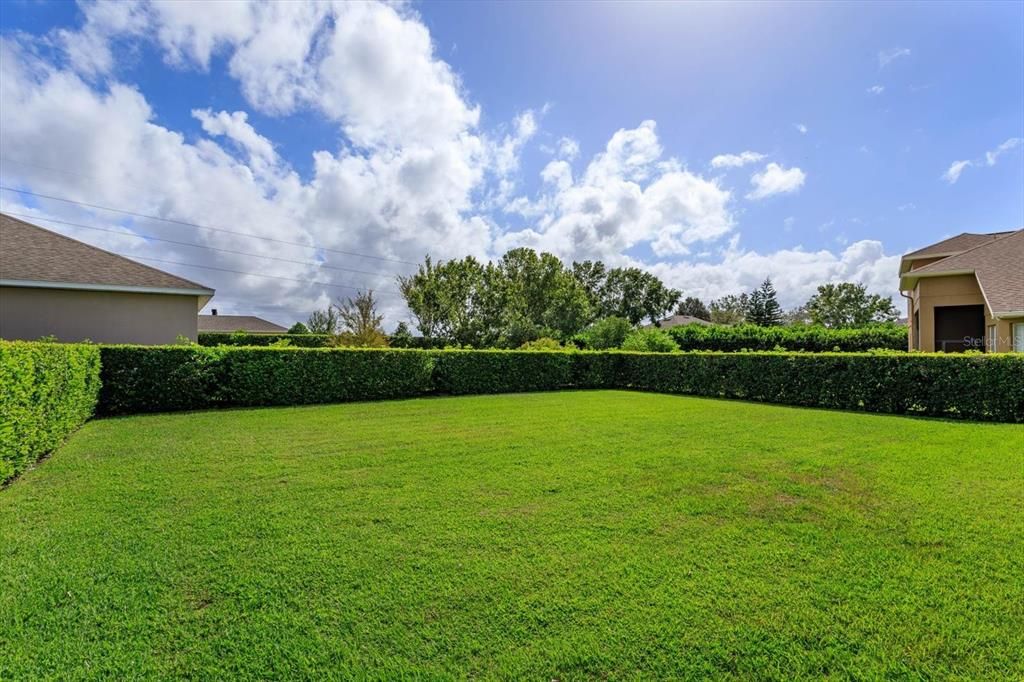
{"x": 576, "y": 535}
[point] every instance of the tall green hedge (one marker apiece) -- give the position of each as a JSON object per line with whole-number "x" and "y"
{"x": 793, "y": 338}
{"x": 47, "y": 390}
{"x": 247, "y": 339}
{"x": 146, "y": 379}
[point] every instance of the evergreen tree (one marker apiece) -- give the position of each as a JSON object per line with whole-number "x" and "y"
{"x": 764, "y": 309}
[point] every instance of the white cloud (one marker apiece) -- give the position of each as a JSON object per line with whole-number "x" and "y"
{"x": 952, "y": 174}
{"x": 628, "y": 194}
{"x": 568, "y": 148}
{"x": 801, "y": 128}
{"x": 876, "y": 89}
{"x": 795, "y": 272}
{"x": 736, "y": 160}
{"x": 992, "y": 156}
{"x": 775, "y": 179}
{"x": 886, "y": 57}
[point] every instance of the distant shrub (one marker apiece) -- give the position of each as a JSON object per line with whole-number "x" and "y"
{"x": 606, "y": 334}
{"x": 793, "y": 338}
{"x": 650, "y": 341}
{"x": 543, "y": 343}
{"x": 47, "y": 390}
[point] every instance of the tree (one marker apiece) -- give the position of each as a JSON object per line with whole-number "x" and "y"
{"x": 298, "y": 328}
{"x": 847, "y": 304}
{"x": 796, "y": 316}
{"x": 731, "y": 309}
{"x": 323, "y": 321}
{"x": 607, "y": 333}
{"x": 763, "y": 308}
{"x": 446, "y": 299}
{"x": 694, "y": 307}
{"x": 636, "y": 295}
{"x": 401, "y": 337}
{"x": 359, "y": 321}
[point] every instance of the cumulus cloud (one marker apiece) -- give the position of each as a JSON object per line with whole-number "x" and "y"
{"x": 886, "y": 57}
{"x": 626, "y": 195}
{"x": 775, "y": 179}
{"x": 796, "y": 272}
{"x": 801, "y": 128}
{"x": 736, "y": 160}
{"x": 876, "y": 90}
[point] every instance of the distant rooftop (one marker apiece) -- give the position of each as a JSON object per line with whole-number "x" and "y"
{"x": 238, "y": 323}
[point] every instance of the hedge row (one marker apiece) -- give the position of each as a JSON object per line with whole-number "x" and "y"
{"x": 147, "y": 379}
{"x": 247, "y": 339}
{"x": 47, "y": 390}
{"x": 794, "y": 338}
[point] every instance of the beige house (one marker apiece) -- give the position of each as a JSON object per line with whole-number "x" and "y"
{"x": 966, "y": 292}
{"x": 52, "y": 285}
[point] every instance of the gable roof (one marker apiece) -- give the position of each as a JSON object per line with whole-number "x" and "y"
{"x": 998, "y": 265}
{"x": 234, "y": 323}
{"x": 36, "y": 257}
{"x": 954, "y": 245}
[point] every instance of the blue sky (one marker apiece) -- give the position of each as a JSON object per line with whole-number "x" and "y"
{"x": 586, "y": 129}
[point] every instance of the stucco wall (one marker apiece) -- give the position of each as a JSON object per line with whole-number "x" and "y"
{"x": 932, "y": 292}
{"x": 100, "y": 316}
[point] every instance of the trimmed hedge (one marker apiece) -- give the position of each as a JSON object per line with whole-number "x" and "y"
{"x": 47, "y": 390}
{"x": 148, "y": 379}
{"x": 247, "y": 339}
{"x": 795, "y": 338}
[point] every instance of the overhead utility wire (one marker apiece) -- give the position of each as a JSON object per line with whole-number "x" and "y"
{"x": 203, "y": 227}
{"x": 257, "y": 274}
{"x": 198, "y": 246}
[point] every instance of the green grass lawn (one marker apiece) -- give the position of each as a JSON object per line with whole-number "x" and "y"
{"x": 562, "y": 535}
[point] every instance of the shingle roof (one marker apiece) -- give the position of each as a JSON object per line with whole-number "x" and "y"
{"x": 999, "y": 267}
{"x": 234, "y": 323}
{"x": 33, "y": 254}
{"x": 678, "y": 321}
{"x": 961, "y": 242}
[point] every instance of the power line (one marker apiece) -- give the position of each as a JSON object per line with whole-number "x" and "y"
{"x": 193, "y": 244}
{"x": 257, "y": 274}
{"x": 202, "y": 227}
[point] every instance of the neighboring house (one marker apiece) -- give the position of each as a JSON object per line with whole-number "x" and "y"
{"x": 52, "y": 285}
{"x": 966, "y": 292}
{"x": 237, "y": 323}
{"x": 676, "y": 321}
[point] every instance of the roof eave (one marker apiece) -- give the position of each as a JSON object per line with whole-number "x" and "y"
{"x": 909, "y": 280}
{"x": 204, "y": 294}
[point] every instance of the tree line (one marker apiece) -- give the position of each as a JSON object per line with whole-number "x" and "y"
{"x": 527, "y": 296}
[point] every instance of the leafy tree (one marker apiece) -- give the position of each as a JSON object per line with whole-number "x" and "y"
{"x": 636, "y": 295}
{"x": 607, "y": 333}
{"x": 650, "y": 340}
{"x": 694, "y": 307}
{"x": 447, "y": 300}
{"x": 298, "y": 328}
{"x": 323, "y": 321}
{"x": 359, "y": 322}
{"x": 401, "y": 337}
{"x": 849, "y": 305}
{"x": 731, "y": 309}
{"x": 591, "y": 276}
{"x": 763, "y": 308}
